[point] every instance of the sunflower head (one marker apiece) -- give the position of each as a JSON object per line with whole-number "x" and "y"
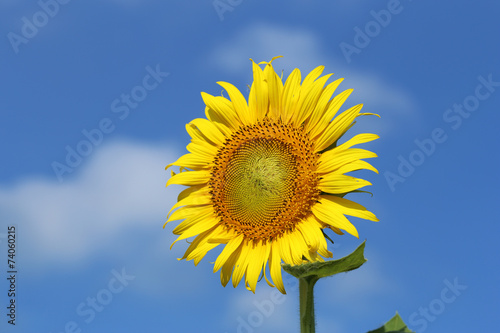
{"x": 265, "y": 177}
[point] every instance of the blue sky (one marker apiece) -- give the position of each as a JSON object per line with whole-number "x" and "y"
{"x": 94, "y": 99}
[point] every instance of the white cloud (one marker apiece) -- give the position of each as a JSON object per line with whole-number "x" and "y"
{"x": 261, "y": 42}
{"x": 110, "y": 212}
{"x": 301, "y": 48}
{"x": 120, "y": 189}
{"x": 266, "y": 311}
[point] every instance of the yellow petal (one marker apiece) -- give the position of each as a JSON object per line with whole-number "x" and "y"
{"x": 275, "y": 267}
{"x": 328, "y": 213}
{"x": 337, "y": 127}
{"x": 190, "y": 178}
{"x": 227, "y": 268}
{"x": 229, "y": 249}
{"x": 200, "y": 138}
{"x": 183, "y": 213}
{"x": 202, "y": 148}
{"x": 201, "y": 226}
{"x": 226, "y": 130}
{"x": 267, "y": 258}
{"x": 312, "y": 76}
{"x": 323, "y": 251}
{"x": 258, "y": 100}
{"x": 335, "y": 230}
{"x": 204, "y": 212}
{"x": 275, "y": 88}
{"x": 200, "y": 252}
{"x": 320, "y": 108}
{"x": 255, "y": 265}
{"x": 333, "y": 159}
{"x": 199, "y": 246}
{"x": 337, "y": 184}
{"x": 358, "y": 139}
{"x": 291, "y": 94}
{"x": 194, "y": 244}
{"x": 187, "y": 192}
{"x": 198, "y": 198}
{"x": 356, "y": 165}
{"x": 298, "y": 246}
{"x": 332, "y": 109}
{"x": 308, "y": 97}
{"x": 191, "y": 161}
{"x": 311, "y": 233}
{"x": 349, "y": 207}
{"x": 284, "y": 247}
{"x": 222, "y": 109}
{"x": 223, "y": 237}
{"x": 241, "y": 264}
{"x": 239, "y": 103}
{"x": 202, "y": 249}
{"x": 209, "y": 130}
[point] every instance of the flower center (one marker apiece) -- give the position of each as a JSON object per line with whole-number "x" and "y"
{"x": 259, "y": 179}
{"x": 264, "y": 180}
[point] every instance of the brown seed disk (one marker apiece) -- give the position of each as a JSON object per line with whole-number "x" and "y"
{"x": 263, "y": 180}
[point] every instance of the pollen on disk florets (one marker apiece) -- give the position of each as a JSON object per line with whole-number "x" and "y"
{"x": 263, "y": 180}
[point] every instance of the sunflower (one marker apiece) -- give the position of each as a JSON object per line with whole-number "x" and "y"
{"x": 266, "y": 177}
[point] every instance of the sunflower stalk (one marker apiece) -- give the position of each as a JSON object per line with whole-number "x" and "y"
{"x": 306, "y": 299}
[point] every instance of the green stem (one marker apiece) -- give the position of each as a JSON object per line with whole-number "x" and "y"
{"x": 306, "y": 298}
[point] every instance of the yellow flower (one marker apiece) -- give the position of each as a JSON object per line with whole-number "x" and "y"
{"x": 265, "y": 177}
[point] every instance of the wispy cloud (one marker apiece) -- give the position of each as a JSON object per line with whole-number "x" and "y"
{"x": 121, "y": 189}
{"x": 303, "y": 49}
{"x": 266, "y": 311}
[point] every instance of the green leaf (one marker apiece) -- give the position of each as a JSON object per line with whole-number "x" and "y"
{"x": 394, "y": 325}
{"x": 327, "y": 268}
